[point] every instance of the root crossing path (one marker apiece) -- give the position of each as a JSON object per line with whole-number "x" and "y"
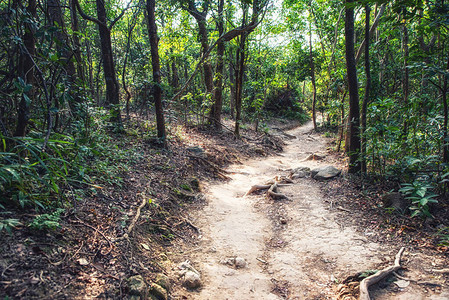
{"x": 292, "y": 249}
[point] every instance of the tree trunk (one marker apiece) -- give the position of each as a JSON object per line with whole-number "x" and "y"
{"x": 232, "y": 85}
{"x": 367, "y": 89}
{"x": 354, "y": 113}
{"x": 405, "y": 86}
{"x": 200, "y": 18}
{"x": 175, "y": 79}
{"x": 239, "y": 72}
{"x": 445, "y": 124}
{"x": 157, "y": 91}
{"x": 312, "y": 73}
{"x": 55, "y": 15}
{"x": 112, "y": 86}
{"x": 76, "y": 42}
{"x": 26, "y": 71}
{"x": 125, "y": 62}
{"x": 215, "y": 114}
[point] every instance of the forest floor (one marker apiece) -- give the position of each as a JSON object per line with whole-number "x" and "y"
{"x": 255, "y": 247}
{"x": 302, "y": 247}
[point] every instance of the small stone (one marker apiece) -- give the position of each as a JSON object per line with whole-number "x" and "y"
{"x": 163, "y": 281}
{"x": 228, "y": 261}
{"x": 158, "y": 292}
{"x": 240, "y": 263}
{"x": 137, "y": 286}
{"x": 300, "y": 174}
{"x": 192, "y": 280}
{"x": 324, "y": 173}
{"x": 301, "y": 169}
{"x": 283, "y": 221}
{"x": 198, "y": 151}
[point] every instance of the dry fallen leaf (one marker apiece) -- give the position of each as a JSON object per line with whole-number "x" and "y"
{"x": 83, "y": 261}
{"x": 145, "y": 246}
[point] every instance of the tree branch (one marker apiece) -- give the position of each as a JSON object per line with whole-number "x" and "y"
{"x": 89, "y": 18}
{"x": 371, "y": 31}
{"x": 227, "y": 36}
{"x": 121, "y": 14}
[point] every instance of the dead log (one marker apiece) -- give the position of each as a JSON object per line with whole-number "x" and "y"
{"x": 373, "y": 279}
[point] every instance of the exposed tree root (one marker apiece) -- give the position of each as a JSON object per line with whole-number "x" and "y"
{"x": 271, "y": 187}
{"x": 367, "y": 282}
{"x": 441, "y": 271}
{"x": 220, "y": 172}
{"x": 257, "y": 187}
{"x": 272, "y": 191}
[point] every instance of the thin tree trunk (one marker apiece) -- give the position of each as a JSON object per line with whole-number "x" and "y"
{"x": 342, "y": 121}
{"x": 56, "y": 19}
{"x": 112, "y": 86}
{"x": 200, "y": 18}
{"x": 240, "y": 62}
{"x": 367, "y": 89}
{"x": 354, "y": 112}
{"x": 76, "y": 42}
{"x": 312, "y": 71}
{"x": 232, "y": 85}
{"x": 125, "y": 87}
{"x": 215, "y": 114}
{"x": 175, "y": 78}
{"x": 445, "y": 124}
{"x": 152, "y": 32}
{"x": 405, "y": 87}
{"x": 26, "y": 71}
{"x": 371, "y": 31}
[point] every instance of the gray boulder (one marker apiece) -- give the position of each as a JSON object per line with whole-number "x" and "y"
{"x": 324, "y": 173}
{"x": 396, "y": 201}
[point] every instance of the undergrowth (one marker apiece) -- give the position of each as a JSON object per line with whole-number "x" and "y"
{"x": 65, "y": 170}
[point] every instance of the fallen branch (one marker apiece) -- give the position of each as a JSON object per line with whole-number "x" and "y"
{"x": 136, "y": 217}
{"x": 134, "y": 220}
{"x": 373, "y": 279}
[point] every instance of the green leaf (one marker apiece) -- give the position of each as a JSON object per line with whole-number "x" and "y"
{"x": 27, "y": 99}
{"x": 421, "y": 192}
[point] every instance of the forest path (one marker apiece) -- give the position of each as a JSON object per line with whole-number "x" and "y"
{"x": 294, "y": 249}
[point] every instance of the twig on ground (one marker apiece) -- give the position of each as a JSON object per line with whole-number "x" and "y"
{"x": 344, "y": 209}
{"x": 261, "y": 260}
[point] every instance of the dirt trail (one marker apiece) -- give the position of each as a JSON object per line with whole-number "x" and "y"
{"x": 294, "y": 248}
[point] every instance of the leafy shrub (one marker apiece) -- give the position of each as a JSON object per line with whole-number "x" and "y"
{"x": 47, "y": 221}
{"x": 419, "y": 193}
{"x": 9, "y": 224}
